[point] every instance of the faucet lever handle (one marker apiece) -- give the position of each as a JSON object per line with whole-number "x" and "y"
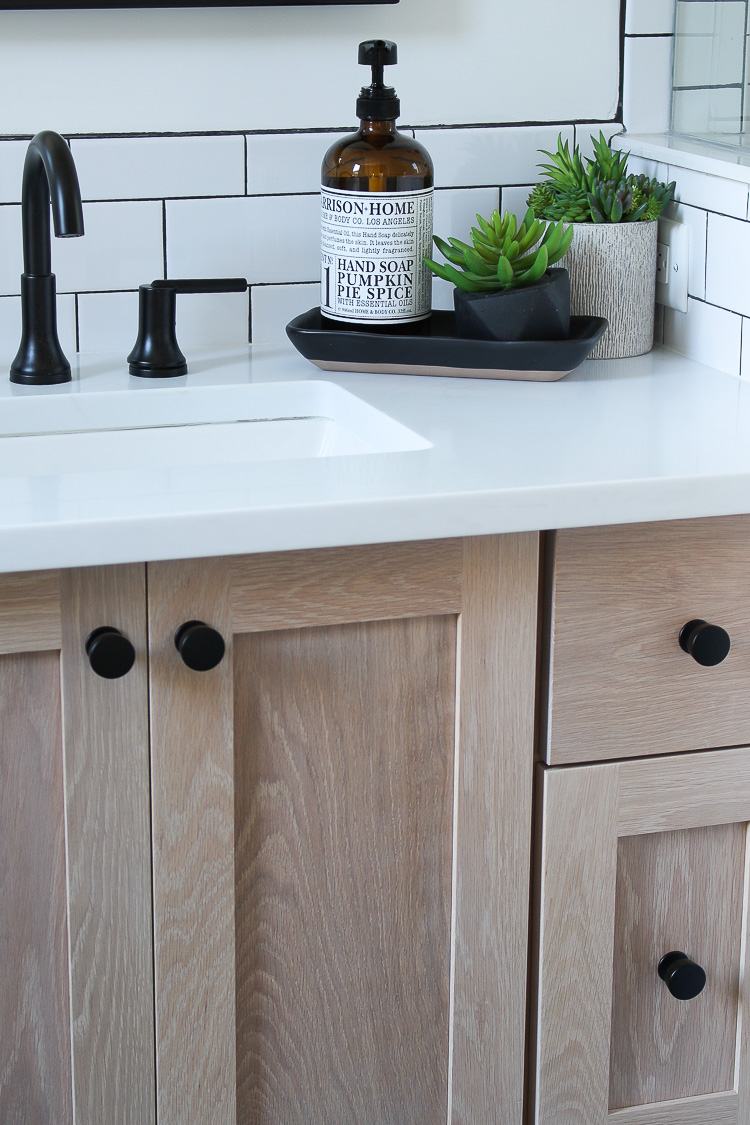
{"x": 203, "y": 284}
{"x": 156, "y": 354}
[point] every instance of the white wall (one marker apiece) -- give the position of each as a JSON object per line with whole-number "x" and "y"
{"x": 230, "y": 69}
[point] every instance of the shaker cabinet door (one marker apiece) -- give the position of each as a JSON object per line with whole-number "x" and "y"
{"x": 76, "y": 1000}
{"x": 640, "y": 861}
{"x": 341, "y": 814}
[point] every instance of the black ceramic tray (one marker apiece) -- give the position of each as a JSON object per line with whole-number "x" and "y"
{"x": 440, "y": 352}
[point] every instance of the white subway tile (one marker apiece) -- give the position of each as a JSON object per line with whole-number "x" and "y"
{"x": 265, "y": 239}
{"x": 728, "y": 247}
{"x": 706, "y": 111}
{"x": 121, "y": 249}
{"x": 641, "y": 166}
{"x": 647, "y": 84}
{"x": 273, "y": 306}
{"x": 705, "y": 334}
{"x": 455, "y": 214}
{"x": 280, "y": 163}
{"x": 10, "y": 327}
{"x": 649, "y": 17}
{"x": 11, "y": 250}
{"x": 212, "y": 319}
{"x": 514, "y": 199}
{"x": 745, "y": 356}
{"x": 508, "y": 155}
{"x": 159, "y": 167}
{"x": 696, "y": 221}
{"x": 107, "y": 322}
{"x": 712, "y": 193}
{"x": 584, "y": 133}
{"x": 12, "y": 156}
{"x": 709, "y": 43}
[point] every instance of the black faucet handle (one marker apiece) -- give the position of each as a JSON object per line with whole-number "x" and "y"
{"x": 202, "y": 284}
{"x": 157, "y": 354}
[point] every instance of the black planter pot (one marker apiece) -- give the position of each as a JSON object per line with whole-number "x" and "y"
{"x": 540, "y": 311}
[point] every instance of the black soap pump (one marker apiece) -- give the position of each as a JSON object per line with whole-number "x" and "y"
{"x": 376, "y": 215}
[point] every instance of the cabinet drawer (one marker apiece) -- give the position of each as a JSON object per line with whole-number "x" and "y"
{"x": 620, "y": 685}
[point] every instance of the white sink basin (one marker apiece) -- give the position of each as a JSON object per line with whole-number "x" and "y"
{"x": 169, "y": 427}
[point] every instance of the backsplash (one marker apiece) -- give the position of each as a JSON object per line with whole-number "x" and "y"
{"x": 715, "y": 330}
{"x": 231, "y": 205}
{"x": 213, "y": 203}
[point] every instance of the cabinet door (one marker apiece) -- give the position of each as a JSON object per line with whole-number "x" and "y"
{"x": 340, "y": 857}
{"x": 641, "y": 859}
{"x": 76, "y": 1002}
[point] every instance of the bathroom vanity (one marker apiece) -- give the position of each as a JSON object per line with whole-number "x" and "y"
{"x": 320, "y": 880}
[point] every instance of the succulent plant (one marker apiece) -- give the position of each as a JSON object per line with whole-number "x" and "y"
{"x": 598, "y": 190}
{"x": 504, "y": 255}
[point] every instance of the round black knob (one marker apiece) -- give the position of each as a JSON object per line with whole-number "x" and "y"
{"x": 708, "y": 644}
{"x": 200, "y": 646}
{"x": 110, "y": 654}
{"x": 684, "y": 979}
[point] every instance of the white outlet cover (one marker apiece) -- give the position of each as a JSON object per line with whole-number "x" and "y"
{"x": 672, "y": 290}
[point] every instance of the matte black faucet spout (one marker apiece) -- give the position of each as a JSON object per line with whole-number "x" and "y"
{"x": 49, "y": 178}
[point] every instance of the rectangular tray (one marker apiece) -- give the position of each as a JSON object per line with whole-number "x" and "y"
{"x": 439, "y": 351}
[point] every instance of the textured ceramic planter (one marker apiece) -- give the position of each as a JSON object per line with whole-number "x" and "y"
{"x": 540, "y": 311}
{"x": 612, "y": 270}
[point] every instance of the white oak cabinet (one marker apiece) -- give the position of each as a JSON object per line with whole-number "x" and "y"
{"x": 642, "y": 834}
{"x": 76, "y": 995}
{"x": 335, "y": 820}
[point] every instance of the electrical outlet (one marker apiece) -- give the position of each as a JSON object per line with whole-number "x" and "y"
{"x": 672, "y": 265}
{"x": 662, "y": 263}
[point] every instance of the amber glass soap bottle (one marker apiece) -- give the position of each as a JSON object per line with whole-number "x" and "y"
{"x": 376, "y": 215}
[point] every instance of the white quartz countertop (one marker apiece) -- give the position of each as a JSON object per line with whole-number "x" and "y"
{"x": 657, "y": 437}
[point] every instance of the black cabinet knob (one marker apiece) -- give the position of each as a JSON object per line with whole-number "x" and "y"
{"x": 708, "y": 644}
{"x": 110, "y": 654}
{"x": 683, "y": 977}
{"x": 200, "y": 646}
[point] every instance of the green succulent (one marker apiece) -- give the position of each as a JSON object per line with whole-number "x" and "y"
{"x": 596, "y": 190}
{"x": 611, "y": 201}
{"x": 651, "y": 194}
{"x": 504, "y": 255}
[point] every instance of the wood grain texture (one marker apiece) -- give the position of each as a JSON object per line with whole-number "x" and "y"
{"x": 109, "y": 852}
{"x": 30, "y": 611}
{"x": 621, "y": 685}
{"x": 742, "y": 1070}
{"x": 675, "y": 883}
{"x": 579, "y": 864}
{"x": 193, "y": 843}
{"x": 344, "y": 742}
{"x": 35, "y": 1056}
{"x": 493, "y": 584}
{"x": 289, "y": 590}
{"x": 712, "y": 1109}
{"x": 667, "y": 794}
{"x": 497, "y": 673}
{"x": 676, "y": 890}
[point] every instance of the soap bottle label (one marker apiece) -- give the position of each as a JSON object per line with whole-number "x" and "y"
{"x": 373, "y": 246}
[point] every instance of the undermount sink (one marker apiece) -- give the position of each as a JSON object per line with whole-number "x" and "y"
{"x": 194, "y": 427}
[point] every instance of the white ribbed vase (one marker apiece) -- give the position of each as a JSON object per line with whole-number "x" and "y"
{"x": 613, "y": 273}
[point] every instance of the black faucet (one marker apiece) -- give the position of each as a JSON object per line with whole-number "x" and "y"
{"x": 49, "y": 177}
